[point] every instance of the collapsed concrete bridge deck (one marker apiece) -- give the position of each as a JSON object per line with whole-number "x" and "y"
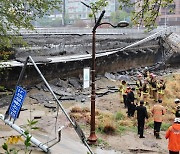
{"x": 117, "y": 54}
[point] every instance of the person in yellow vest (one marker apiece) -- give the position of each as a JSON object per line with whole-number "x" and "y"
{"x": 145, "y": 90}
{"x": 154, "y": 87}
{"x": 124, "y": 93}
{"x": 158, "y": 111}
{"x": 160, "y": 88}
{"x": 120, "y": 88}
{"x": 138, "y": 87}
{"x": 150, "y": 84}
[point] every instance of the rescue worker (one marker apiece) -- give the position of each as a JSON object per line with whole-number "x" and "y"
{"x": 154, "y": 87}
{"x": 120, "y": 92}
{"x": 130, "y": 102}
{"x": 145, "y": 90}
{"x": 177, "y": 102}
{"x": 150, "y": 85}
{"x": 158, "y": 111}
{"x": 141, "y": 115}
{"x": 145, "y": 72}
{"x": 160, "y": 88}
{"x": 173, "y": 134}
{"x": 124, "y": 92}
{"x": 139, "y": 87}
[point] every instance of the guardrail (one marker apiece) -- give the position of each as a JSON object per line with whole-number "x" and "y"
{"x": 80, "y": 31}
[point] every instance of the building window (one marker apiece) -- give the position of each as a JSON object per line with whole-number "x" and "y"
{"x": 171, "y": 19}
{"x": 178, "y": 18}
{"x": 162, "y": 19}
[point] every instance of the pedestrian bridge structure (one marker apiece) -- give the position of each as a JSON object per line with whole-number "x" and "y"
{"x": 162, "y": 46}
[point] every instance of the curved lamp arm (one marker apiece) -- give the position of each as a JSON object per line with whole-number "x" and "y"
{"x": 107, "y": 23}
{"x": 120, "y": 24}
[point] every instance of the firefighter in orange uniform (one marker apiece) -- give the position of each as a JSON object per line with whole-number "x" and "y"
{"x": 158, "y": 111}
{"x": 173, "y": 134}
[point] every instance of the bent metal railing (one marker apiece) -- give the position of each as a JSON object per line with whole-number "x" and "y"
{"x": 21, "y": 131}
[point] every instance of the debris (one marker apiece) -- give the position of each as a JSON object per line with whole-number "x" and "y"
{"x": 41, "y": 98}
{"x": 109, "y": 76}
{"x": 142, "y": 151}
{"x": 75, "y": 83}
{"x": 149, "y": 143}
{"x": 37, "y": 117}
{"x": 67, "y": 98}
{"x": 51, "y": 106}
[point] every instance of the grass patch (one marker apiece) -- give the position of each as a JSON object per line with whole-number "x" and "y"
{"x": 150, "y": 124}
{"x": 119, "y": 116}
{"x": 101, "y": 142}
{"x": 76, "y": 109}
{"x": 121, "y": 129}
{"x": 108, "y": 129}
{"x": 165, "y": 126}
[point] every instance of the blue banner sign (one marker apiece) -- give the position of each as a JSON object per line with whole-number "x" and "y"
{"x": 17, "y": 102}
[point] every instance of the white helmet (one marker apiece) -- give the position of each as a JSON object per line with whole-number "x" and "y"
{"x": 177, "y": 100}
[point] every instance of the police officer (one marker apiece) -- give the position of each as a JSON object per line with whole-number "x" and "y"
{"x": 141, "y": 115}
{"x": 130, "y": 102}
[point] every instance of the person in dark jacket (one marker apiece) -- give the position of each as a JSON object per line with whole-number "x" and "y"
{"x": 141, "y": 115}
{"x": 130, "y": 102}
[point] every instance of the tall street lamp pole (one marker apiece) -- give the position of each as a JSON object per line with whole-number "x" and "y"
{"x": 93, "y": 138}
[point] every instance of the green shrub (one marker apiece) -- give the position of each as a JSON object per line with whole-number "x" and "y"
{"x": 109, "y": 129}
{"x": 102, "y": 142}
{"x": 119, "y": 116}
{"x": 165, "y": 126}
{"x": 150, "y": 124}
{"x": 121, "y": 129}
{"x": 100, "y": 128}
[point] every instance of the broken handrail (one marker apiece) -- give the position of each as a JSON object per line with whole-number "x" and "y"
{"x": 59, "y": 103}
{"x": 59, "y": 137}
{"x": 161, "y": 33}
{"x": 22, "y": 132}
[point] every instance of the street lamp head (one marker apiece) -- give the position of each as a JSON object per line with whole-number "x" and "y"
{"x": 123, "y": 24}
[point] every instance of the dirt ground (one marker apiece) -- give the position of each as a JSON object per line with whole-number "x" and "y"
{"x": 127, "y": 142}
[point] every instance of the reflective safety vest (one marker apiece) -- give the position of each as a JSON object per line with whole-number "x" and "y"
{"x": 145, "y": 89}
{"x": 120, "y": 88}
{"x": 173, "y": 134}
{"x": 154, "y": 85}
{"x": 124, "y": 88}
{"x": 138, "y": 84}
{"x": 161, "y": 88}
{"x": 158, "y": 111}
